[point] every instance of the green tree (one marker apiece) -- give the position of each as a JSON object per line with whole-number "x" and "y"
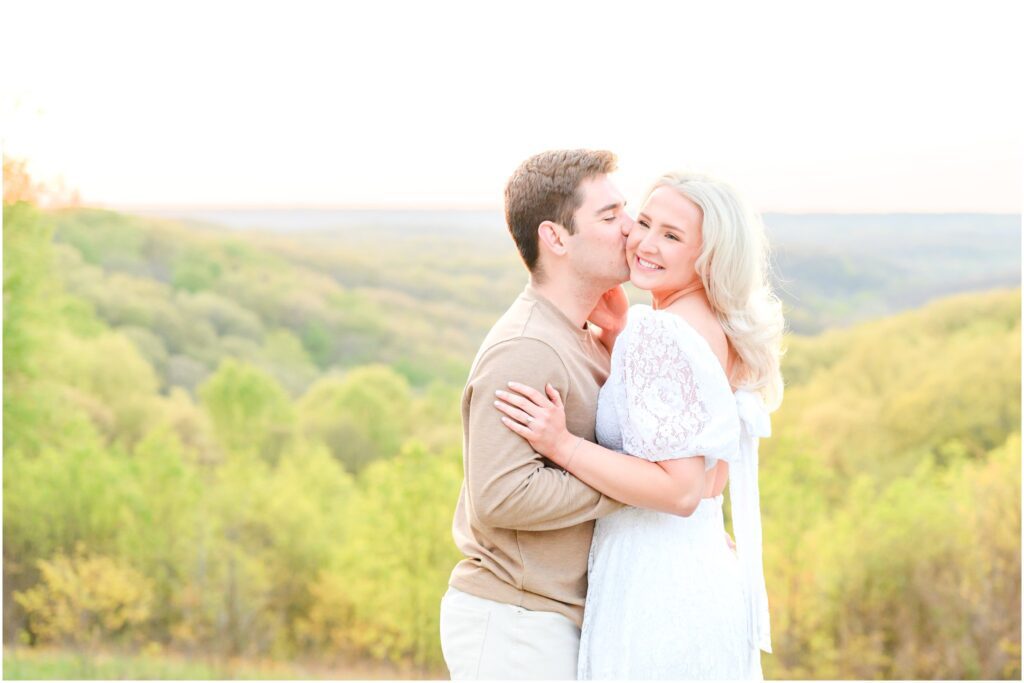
{"x": 196, "y": 269}
{"x": 305, "y": 515}
{"x": 160, "y": 528}
{"x": 398, "y": 555}
{"x": 250, "y": 411}
{"x": 362, "y": 416}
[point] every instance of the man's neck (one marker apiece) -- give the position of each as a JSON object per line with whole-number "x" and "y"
{"x": 573, "y": 299}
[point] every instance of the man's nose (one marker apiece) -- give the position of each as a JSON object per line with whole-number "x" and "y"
{"x": 627, "y": 225}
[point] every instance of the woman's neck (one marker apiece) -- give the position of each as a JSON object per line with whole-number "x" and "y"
{"x": 662, "y": 300}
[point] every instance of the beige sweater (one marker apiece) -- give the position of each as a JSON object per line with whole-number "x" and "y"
{"x": 524, "y": 524}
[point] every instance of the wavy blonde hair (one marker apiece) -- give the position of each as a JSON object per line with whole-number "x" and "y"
{"x": 734, "y": 266}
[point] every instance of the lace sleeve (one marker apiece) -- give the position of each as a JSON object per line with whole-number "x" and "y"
{"x": 666, "y": 411}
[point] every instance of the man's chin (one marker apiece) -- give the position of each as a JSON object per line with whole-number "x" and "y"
{"x": 627, "y": 273}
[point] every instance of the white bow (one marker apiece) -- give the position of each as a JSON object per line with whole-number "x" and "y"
{"x": 753, "y": 414}
{"x": 746, "y": 515}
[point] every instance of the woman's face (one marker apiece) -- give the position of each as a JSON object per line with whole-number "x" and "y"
{"x": 665, "y": 242}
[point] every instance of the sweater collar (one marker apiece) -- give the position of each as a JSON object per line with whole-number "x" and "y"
{"x": 582, "y": 333}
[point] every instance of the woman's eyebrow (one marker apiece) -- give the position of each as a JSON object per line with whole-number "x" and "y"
{"x": 664, "y": 225}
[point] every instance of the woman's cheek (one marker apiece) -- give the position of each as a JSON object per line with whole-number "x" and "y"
{"x": 633, "y": 240}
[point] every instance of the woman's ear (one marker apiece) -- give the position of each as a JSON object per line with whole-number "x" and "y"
{"x": 552, "y": 236}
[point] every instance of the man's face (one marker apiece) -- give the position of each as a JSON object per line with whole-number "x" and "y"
{"x": 597, "y": 250}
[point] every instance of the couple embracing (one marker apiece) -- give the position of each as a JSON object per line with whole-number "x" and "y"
{"x": 598, "y": 438}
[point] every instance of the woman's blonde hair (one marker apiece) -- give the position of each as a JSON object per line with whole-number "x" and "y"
{"x": 734, "y": 267}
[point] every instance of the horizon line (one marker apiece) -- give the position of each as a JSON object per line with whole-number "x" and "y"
{"x": 128, "y": 207}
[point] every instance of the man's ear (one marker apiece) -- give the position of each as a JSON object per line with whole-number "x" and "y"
{"x": 552, "y": 236}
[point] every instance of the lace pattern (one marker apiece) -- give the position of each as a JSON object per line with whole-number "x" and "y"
{"x": 670, "y": 396}
{"x": 667, "y": 411}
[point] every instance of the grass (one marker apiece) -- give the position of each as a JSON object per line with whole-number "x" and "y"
{"x": 21, "y": 663}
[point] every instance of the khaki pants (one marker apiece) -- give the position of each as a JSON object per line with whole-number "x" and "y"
{"x": 487, "y": 640}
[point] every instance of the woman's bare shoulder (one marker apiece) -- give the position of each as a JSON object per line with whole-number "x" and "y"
{"x": 706, "y": 324}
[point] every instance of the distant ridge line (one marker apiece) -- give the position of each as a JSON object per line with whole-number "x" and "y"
{"x": 131, "y": 208}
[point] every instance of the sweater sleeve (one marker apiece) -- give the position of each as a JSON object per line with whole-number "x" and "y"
{"x": 508, "y": 484}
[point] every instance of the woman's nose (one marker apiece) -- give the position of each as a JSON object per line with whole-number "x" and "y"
{"x": 646, "y": 245}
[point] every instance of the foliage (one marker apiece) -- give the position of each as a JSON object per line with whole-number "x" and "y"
{"x": 260, "y": 438}
{"x": 195, "y": 270}
{"x": 207, "y": 297}
{"x": 880, "y": 499}
{"x": 250, "y": 411}
{"x": 406, "y": 509}
{"x": 84, "y": 599}
{"x": 18, "y": 185}
{"x": 836, "y": 270}
{"x": 355, "y": 415}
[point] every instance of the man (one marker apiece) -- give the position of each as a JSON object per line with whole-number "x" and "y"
{"x": 515, "y": 603}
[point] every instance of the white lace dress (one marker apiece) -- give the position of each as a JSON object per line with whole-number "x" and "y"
{"x": 667, "y": 598}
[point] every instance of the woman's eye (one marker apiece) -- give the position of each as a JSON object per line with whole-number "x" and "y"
{"x": 643, "y": 223}
{"x": 609, "y": 219}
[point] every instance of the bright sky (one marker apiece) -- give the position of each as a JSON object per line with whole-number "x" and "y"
{"x": 806, "y": 106}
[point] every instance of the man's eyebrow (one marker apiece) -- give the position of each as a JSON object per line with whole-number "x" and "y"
{"x": 614, "y": 205}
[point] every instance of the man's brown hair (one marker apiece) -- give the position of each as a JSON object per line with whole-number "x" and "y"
{"x": 546, "y": 187}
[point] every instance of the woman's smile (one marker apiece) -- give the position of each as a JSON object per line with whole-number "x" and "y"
{"x": 647, "y": 265}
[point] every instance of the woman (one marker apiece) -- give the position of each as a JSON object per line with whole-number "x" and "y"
{"x": 684, "y": 404}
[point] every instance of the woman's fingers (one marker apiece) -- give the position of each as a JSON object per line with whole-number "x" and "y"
{"x": 513, "y": 412}
{"x": 521, "y": 402}
{"x": 530, "y": 393}
{"x": 517, "y": 428}
{"x": 553, "y": 394}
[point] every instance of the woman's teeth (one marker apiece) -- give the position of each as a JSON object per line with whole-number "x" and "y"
{"x": 648, "y": 264}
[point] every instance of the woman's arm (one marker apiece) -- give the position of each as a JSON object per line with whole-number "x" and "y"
{"x": 672, "y": 486}
{"x": 720, "y": 476}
